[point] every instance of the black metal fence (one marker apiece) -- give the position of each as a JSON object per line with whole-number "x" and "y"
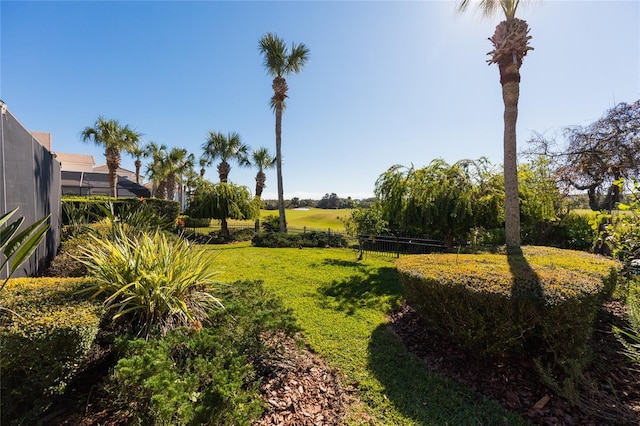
{"x": 394, "y": 245}
{"x": 29, "y": 180}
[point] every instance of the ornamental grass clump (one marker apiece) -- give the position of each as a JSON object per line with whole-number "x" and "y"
{"x": 541, "y": 301}
{"x": 151, "y": 282}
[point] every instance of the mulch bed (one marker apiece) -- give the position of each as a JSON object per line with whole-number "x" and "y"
{"x": 300, "y": 389}
{"x": 612, "y": 395}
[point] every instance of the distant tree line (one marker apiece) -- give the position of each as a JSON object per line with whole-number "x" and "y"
{"x": 328, "y": 201}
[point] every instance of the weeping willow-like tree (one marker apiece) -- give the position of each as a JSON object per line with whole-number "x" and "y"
{"x": 223, "y": 201}
{"x": 439, "y": 200}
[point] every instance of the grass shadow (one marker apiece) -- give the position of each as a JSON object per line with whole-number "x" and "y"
{"x": 363, "y": 290}
{"x": 345, "y": 263}
{"x": 427, "y": 398}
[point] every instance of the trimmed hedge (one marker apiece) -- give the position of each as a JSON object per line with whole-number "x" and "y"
{"x": 43, "y": 346}
{"x": 542, "y": 302}
{"x": 195, "y": 222}
{"x": 306, "y": 239}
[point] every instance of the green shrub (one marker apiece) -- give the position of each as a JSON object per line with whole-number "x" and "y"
{"x": 245, "y": 234}
{"x": 187, "y": 377}
{"x": 44, "y": 337}
{"x": 271, "y": 223}
{"x": 149, "y": 280}
{"x": 91, "y": 207}
{"x": 574, "y": 232}
{"x": 307, "y": 239}
{"x": 543, "y": 301}
{"x": 66, "y": 262}
{"x": 196, "y": 222}
{"x": 205, "y": 377}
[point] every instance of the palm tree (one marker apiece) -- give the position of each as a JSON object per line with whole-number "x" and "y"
{"x": 156, "y": 170}
{"x": 114, "y": 138}
{"x": 177, "y": 162}
{"x": 225, "y": 148}
{"x": 203, "y": 164}
{"x": 280, "y": 62}
{"x": 137, "y": 152}
{"x": 511, "y": 44}
{"x": 262, "y": 160}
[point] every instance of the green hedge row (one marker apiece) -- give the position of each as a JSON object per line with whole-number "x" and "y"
{"x": 46, "y": 330}
{"x": 542, "y": 302}
{"x": 306, "y": 239}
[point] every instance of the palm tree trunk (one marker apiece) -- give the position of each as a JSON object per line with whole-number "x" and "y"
{"x": 138, "y": 164}
{"x": 283, "y": 220}
{"x": 510, "y": 79}
{"x": 260, "y": 181}
{"x": 112, "y": 156}
{"x": 171, "y": 187}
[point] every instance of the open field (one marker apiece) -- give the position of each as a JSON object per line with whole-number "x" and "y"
{"x": 342, "y": 307}
{"x": 313, "y": 218}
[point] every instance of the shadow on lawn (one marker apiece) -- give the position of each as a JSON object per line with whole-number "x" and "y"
{"x": 363, "y": 290}
{"x": 425, "y": 397}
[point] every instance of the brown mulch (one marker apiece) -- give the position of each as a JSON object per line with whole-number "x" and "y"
{"x": 610, "y": 393}
{"x": 300, "y": 389}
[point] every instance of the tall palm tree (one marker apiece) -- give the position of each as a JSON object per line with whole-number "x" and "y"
{"x": 137, "y": 152}
{"x": 177, "y": 162}
{"x": 225, "y": 148}
{"x": 261, "y": 159}
{"x": 114, "y": 138}
{"x": 156, "y": 169}
{"x": 203, "y": 164}
{"x": 511, "y": 44}
{"x": 279, "y": 63}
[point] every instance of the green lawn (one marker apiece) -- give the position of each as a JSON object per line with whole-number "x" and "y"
{"x": 342, "y": 307}
{"x": 313, "y": 218}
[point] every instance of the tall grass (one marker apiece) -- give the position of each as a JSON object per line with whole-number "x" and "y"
{"x": 342, "y": 307}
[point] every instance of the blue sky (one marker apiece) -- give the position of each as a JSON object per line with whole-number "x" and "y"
{"x": 387, "y": 82}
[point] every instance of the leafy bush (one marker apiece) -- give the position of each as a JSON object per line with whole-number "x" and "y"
{"x": 196, "y": 222}
{"x": 574, "y": 231}
{"x": 45, "y": 333}
{"x": 66, "y": 262}
{"x": 149, "y": 280}
{"x": 307, "y": 239}
{"x": 92, "y": 207}
{"x": 186, "y": 378}
{"x": 271, "y": 223}
{"x": 206, "y": 376}
{"x": 543, "y": 301}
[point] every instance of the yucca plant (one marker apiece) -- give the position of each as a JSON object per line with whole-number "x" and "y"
{"x": 18, "y": 247}
{"x": 630, "y": 338}
{"x": 150, "y": 281}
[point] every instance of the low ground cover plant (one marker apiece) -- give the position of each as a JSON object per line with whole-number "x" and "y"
{"x": 46, "y": 331}
{"x": 542, "y": 301}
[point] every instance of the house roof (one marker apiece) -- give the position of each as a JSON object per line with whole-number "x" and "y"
{"x": 104, "y": 168}
{"x": 75, "y": 158}
{"x": 43, "y": 138}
